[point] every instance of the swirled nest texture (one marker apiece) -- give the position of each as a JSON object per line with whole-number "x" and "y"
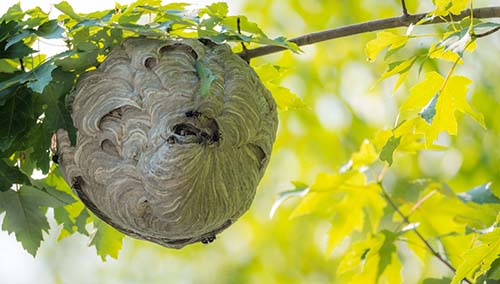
{"x": 173, "y": 137}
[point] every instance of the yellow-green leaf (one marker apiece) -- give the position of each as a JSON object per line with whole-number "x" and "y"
{"x": 437, "y": 102}
{"x": 478, "y": 259}
{"x": 106, "y": 239}
{"x": 365, "y": 156}
{"x": 444, "y": 7}
{"x": 384, "y": 39}
{"x": 422, "y": 93}
{"x": 348, "y": 198}
{"x": 285, "y": 99}
{"x": 399, "y": 67}
{"x": 359, "y": 255}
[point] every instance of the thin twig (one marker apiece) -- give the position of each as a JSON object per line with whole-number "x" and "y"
{"x": 21, "y": 63}
{"x": 403, "y": 6}
{"x": 238, "y": 23}
{"x": 417, "y": 205}
{"x": 419, "y": 235}
{"x": 488, "y": 32}
{"x": 370, "y": 26}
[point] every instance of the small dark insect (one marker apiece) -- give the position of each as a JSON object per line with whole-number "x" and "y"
{"x": 76, "y": 183}
{"x": 203, "y": 138}
{"x": 207, "y": 239}
{"x": 171, "y": 140}
{"x": 216, "y": 136}
{"x": 55, "y": 158}
{"x": 193, "y": 113}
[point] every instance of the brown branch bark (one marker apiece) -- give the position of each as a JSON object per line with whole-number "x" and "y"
{"x": 370, "y": 26}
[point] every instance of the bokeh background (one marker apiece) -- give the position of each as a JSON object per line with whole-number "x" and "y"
{"x": 345, "y": 105}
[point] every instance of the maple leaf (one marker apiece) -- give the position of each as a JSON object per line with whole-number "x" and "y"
{"x": 25, "y": 213}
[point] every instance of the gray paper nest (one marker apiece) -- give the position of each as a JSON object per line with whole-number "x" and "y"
{"x": 173, "y": 137}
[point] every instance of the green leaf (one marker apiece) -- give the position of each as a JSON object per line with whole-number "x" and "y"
{"x": 480, "y": 194}
{"x": 388, "y": 150}
{"x": 477, "y": 260}
{"x": 17, "y": 38}
{"x": 16, "y": 50}
{"x": 39, "y": 137}
{"x": 445, "y": 7}
{"x": 56, "y": 114}
{"x": 106, "y": 239}
{"x": 82, "y": 220}
{"x": 10, "y": 175}
{"x": 62, "y": 217}
{"x": 74, "y": 217}
{"x": 24, "y": 215}
{"x": 384, "y": 39}
{"x": 218, "y": 9}
{"x": 231, "y": 23}
{"x": 365, "y": 156}
{"x": 444, "y": 97}
{"x": 399, "y": 67}
{"x": 14, "y": 13}
{"x": 46, "y": 196}
{"x": 36, "y": 17}
{"x": 285, "y": 98}
{"x": 78, "y": 62}
{"x": 347, "y": 199}
{"x": 72, "y": 221}
{"x": 358, "y": 255}
{"x": 8, "y": 66}
{"x": 494, "y": 272}
{"x": 66, "y": 8}
{"x": 40, "y": 77}
{"x": 50, "y": 30}
{"x": 15, "y": 115}
{"x": 206, "y": 78}
{"x": 58, "y": 197}
{"x": 429, "y": 111}
{"x": 387, "y": 250}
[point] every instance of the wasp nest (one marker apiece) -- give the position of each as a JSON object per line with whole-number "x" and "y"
{"x": 173, "y": 137}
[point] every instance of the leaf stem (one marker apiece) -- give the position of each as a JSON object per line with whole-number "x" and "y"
{"x": 419, "y": 235}
{"x": 370, "y": 26}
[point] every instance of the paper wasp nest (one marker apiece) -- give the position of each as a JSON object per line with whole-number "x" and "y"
{"x": 173, "y": 137}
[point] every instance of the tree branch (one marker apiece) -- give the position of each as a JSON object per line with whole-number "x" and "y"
{"x": 370, "y": 26}
{"x": 419, "y": 235}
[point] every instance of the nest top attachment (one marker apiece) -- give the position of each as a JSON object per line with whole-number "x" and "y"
{"x": 173, "y": 137}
